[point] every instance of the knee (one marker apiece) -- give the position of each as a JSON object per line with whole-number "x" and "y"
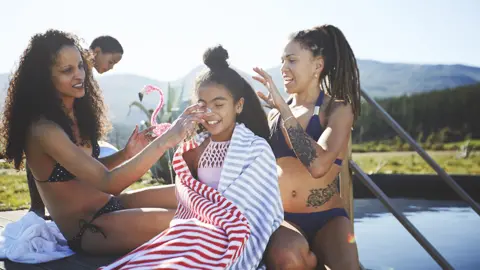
{"x": 294, "y": 260}
{"x": 294, "y": 255}
{"x": 345, "y": 263}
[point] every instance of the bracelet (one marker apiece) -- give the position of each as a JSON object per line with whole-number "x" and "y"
{"x": 288, "y": 118}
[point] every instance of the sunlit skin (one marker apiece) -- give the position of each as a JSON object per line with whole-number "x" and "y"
{"x": 96, "y": 180}
{"x": 221, "y": 119}
{"x": 299, "y": 68}
{"x": 105, "y": 61}
{"x": 68, "y": 75}
{"x": 300, "y": 72}
{"x": 303, "y": 183}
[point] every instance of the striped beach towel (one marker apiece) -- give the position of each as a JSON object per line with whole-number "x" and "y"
{"x": 228, "y": 228}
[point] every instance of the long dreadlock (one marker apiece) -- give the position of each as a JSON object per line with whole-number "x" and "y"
{"x": 340, "y": 77}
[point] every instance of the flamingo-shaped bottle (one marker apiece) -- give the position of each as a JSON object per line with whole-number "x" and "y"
{"x": 160, "y": 128}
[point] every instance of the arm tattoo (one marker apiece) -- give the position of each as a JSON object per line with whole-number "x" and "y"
{"x": 302, "y": 144}
{"x": 319, "y": 196}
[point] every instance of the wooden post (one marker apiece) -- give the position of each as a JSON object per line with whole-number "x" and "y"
{"x": 346, "y": 186}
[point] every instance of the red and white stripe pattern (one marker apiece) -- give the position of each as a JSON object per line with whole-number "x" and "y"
{"x": 212, "y": 230}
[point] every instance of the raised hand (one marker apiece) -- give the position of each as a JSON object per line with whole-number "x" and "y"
{"x": 274, "y": 98}
{"x": 186, "y": 124}
{"x": 138, "y": 141}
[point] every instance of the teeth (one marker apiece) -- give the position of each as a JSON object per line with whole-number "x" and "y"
{"x": 78, "y": 85}
{"x": 212, "y": 122}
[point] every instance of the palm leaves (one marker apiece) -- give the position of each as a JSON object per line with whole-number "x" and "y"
{"x": 147, "y": 112}
{"x": 172, "y": 109}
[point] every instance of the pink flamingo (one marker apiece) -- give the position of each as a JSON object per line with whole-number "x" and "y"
{"x": 160, "y": 128}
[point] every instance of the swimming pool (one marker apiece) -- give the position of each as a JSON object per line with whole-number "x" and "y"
{"x": 452, "y": 227}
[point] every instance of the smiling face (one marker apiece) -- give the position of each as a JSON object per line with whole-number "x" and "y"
{"x": 222, "y": 118}
{"x": 68, "y": 73}
{"x": 299, "y": 68}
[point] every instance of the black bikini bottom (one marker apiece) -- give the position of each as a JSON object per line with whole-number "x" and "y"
{"x": 112, "y": 205}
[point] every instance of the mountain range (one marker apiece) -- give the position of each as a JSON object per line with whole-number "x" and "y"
{"x": 378, "y": 79}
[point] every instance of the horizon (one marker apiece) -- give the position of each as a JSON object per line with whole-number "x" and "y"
{"x": 409, "y": 32}
{"x": 267, "y": 68}
{"x": 119, "y": 73}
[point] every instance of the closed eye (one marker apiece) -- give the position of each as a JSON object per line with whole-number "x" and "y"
{"x": 289, "y": 60}
{"x": 67, "y": 70}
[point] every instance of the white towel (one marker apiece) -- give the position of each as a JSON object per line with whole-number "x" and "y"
{"x": 33, "y": 240}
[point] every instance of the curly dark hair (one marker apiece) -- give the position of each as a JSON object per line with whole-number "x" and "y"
{"x": 31, "y": 95}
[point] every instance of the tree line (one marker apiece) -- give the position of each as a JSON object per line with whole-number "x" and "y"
{"x": 439, "y": 116}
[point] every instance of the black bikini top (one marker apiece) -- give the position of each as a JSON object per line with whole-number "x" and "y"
{"x": 60, "y": 174}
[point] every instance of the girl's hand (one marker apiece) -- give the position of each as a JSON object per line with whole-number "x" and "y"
{"x": 185, "y": 124}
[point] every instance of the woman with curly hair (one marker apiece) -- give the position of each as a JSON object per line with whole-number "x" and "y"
{"x": 107, "y": 52}
{"x": 54, "y": 116}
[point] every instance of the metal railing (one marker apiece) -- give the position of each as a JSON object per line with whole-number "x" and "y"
{"x": 441, "y": 172}
{"x": 368, "y": 182}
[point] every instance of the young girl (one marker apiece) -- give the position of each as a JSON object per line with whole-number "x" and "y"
{"x": 310, "y": 133}
{"x": 227, "y": 185}
{"x": 225, "y": 94}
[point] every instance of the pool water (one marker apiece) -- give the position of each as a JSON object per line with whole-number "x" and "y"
{"x": 453, "y": 228}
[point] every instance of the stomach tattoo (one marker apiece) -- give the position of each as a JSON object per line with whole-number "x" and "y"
{"x": 319, "y": 196}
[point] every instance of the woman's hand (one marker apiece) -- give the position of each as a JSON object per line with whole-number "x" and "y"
{"x": 185, "y": 124}
{"x": 274, "y": 99}
{"x": 137, "y": 141}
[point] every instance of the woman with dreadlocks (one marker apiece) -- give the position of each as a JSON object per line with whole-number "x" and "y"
{"x": 309, "y": 137}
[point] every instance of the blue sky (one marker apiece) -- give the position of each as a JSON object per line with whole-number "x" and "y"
{"x": 165, "y": 39}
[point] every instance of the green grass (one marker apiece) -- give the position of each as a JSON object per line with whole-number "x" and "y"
{"x": 412, "y": 163}
{"x": 14, "y": 189}
{"x": 398, "y": 145}
{"x": 14, "y": 193}
{"x": 456, "y": 145}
